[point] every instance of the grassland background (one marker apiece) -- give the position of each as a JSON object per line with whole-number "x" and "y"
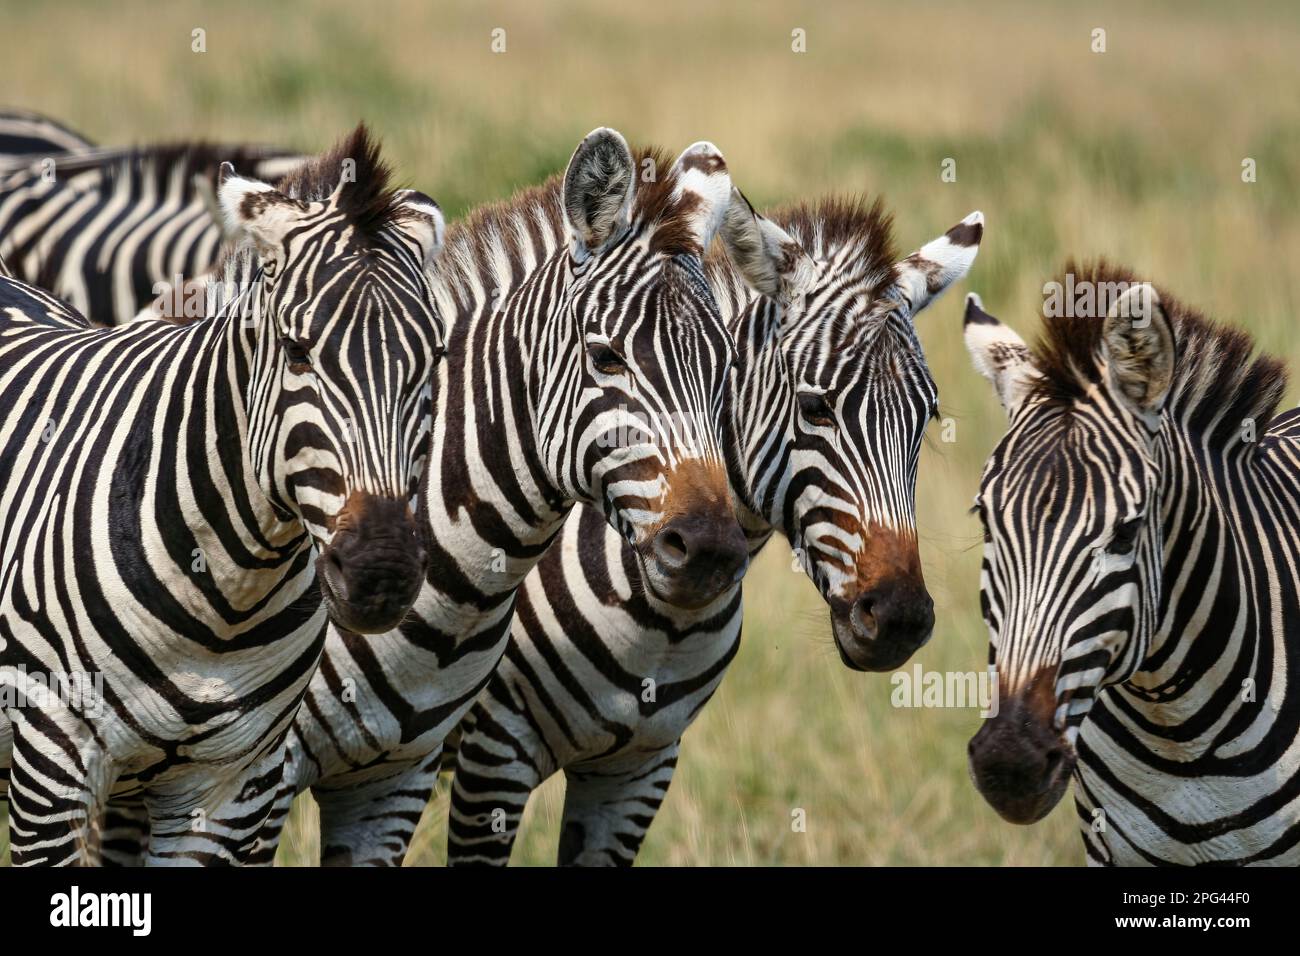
{"x": 1135, "y": 153}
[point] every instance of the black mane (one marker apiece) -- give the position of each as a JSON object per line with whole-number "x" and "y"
{"x": 1216, "y": 375}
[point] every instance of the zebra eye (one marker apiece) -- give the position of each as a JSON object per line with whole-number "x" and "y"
{"x": 296, "y": 353}
{"x": 816, "y": 410}
{"x": 1125, "y": 535}
{"x": 605, "y": 359}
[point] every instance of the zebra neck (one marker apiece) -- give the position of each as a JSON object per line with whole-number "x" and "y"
{"x": 249, "y": 546}
{"x": 754, "y": 423}
{"x": 491, "y": 498}
{"x": 1220, "y": 584}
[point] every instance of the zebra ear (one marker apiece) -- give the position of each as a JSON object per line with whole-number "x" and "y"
{"x": 771, "y": 260}
{"x": 1138, "y": 350}
{"x": 421, "y": 220}
{"x": 703, "y": 191}
{"x": 925, "y": 274}
{"x": 999, "y": 354}
{"x": 253, "y": 208}
{"x": 599, "y": 184}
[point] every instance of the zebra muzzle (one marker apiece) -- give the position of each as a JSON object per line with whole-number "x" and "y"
{"x": 1019, "y": 760}
{"x": 694, "y": 558}
{"x": 371, "y": 572}
{"x": 884, "y": 626}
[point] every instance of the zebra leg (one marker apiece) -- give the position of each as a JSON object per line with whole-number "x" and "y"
{"x": 500, "y": 761}
{"x": 607, "y": 812}
{"x": 199, "y": 819}
{"x": 268, "y": 841}
{"x": 59, "y": 780}
{"x": 372, "y": 824}
{"x": 124, "y": 837}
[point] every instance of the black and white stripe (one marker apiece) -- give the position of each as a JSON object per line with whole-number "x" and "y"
{"x": 1141, "y": 582}
{"x": 25, "y": 135}
{"x": 573, "y": 309}
{"x": 109, "y": 230}
{"x": 579, "y": 311}
{"x": 825, "y": 419}
{"x": 169, "y": 490}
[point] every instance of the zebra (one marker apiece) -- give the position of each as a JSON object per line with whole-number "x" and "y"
{"x": 1140, "y": 580}
{"x": 587, "y": 362}
{"x": 184, "y": 506}
{"x": 109, "y": 230}
{"x": 826, "y": 415}
{"x": 24, "y": 134}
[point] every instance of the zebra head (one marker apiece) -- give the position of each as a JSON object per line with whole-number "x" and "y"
{"x": 654, "y": 357}
{"x": 832, "y": 404}
{"x": 1070, "y": 583}
{"x": 344, "y": 335}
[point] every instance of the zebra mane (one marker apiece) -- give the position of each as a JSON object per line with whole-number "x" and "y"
{"x": 368, "y": 192}
{"x": 844, "y": 227}
{"x": 851, "y": 231}
{"x": 505, "y": 239}
{"x": 162, "y": 161}
{"x": 1218, "y": 379}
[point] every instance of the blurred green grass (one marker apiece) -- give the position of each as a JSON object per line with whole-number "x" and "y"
{"x": 1135, "y": 153}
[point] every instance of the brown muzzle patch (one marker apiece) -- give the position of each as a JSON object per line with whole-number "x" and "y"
{"x": 696, "y": 550}
{"x": 889, "y": 615}
{"x": 695, "y": 487}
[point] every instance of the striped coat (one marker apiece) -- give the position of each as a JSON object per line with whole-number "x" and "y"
{"x": 825, "y": 419}
{"x": 1141, "y": 581}
{"x": 569, "y": 333}
{"x": 111, "y": 230}
{"x": 164, "y": 577}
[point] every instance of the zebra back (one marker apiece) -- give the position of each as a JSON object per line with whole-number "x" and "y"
{"x": 24, "y": 134}
{"x": 111, "y": 230}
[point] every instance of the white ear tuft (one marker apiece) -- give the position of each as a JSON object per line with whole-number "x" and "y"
{"x": 702, "y": 174}
{"x": 422, "y": 221}
{"x": 925, "y": 274}
{"x": 999, "y": 354}
{"x": 232, "y": 191}
{"x": 255, "y": 209}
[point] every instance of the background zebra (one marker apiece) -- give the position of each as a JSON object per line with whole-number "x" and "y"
{"x": 24, "y": 134}
{"x": 187, "y": 476}
{"x": 110, "y": 230}
{"x": 825, "y": 419}
{"x": 1140, "y": 581}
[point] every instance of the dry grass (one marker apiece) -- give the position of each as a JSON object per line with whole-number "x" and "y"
{"x": 1135, "y": 153}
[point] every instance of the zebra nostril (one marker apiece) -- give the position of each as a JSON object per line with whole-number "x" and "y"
{"x": 670, "y": 547}
{"x": 1052, "y": 760}
{"x": 864, "y": 618}
{"x": 332, "y": 567}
